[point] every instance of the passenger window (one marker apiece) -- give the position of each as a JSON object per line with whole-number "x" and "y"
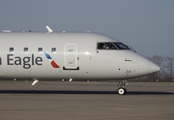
{"x": 53, "y": 50}
{"x": 26, "y": 50}
{"x": 11, "y": 49}
{"x": 40, "y": 50}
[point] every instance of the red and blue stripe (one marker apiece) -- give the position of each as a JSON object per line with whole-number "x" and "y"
{"x": 53, "y": 63}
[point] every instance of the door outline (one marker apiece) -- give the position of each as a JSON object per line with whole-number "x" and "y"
{"x": 70, "y": 57}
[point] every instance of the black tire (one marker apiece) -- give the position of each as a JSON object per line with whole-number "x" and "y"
{"x": 122, "y": 91}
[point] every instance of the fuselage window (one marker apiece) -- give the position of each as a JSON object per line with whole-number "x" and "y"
{"x": 26, "y": 50}
{"x": 40, "y": 50}
{"x": 53, "y": 50}
{"x": 11, "y": 49}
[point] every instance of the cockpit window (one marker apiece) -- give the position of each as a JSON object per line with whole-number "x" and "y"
{"x": 112, "y": 46}
{"x": 122, "y": 46}
{"x": 106, "y": 46}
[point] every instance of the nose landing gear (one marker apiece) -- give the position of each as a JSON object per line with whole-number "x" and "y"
{"x": 121, "y": 87}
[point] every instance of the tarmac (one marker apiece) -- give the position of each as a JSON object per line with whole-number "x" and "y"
{"x": 86, "y": 101}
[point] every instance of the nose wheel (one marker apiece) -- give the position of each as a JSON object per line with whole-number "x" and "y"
{"x": 122, "y": 91}
{"x": 121, "y": 87}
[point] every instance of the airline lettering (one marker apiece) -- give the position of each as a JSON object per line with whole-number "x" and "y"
{"x": 25, "y": 61}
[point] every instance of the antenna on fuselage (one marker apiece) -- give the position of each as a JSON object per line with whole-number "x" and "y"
{"x": 49, "y": 29}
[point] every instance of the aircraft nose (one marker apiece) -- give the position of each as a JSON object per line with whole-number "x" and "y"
{"x": 153, "y": 67}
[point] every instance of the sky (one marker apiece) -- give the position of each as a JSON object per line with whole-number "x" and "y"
{"x": 145, "y": 25}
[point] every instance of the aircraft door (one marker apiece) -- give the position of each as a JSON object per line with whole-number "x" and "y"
{"x": 70, "y": 57}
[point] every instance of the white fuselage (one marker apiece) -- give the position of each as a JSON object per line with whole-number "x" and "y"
{"x": 68, "y": 56}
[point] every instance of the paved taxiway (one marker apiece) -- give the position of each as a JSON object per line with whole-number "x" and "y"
{"x": 85, "y": 101}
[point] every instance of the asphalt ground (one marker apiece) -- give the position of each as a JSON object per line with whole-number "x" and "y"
{"x": 85, "y": 101}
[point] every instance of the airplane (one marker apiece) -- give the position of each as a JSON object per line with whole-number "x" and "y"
{"x": 70, "y": 55}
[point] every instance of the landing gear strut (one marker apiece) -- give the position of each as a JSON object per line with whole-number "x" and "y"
{"x": 121, "y": 87}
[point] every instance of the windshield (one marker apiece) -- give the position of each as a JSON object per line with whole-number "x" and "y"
{"x": 113, "y": 46}
{"x": 121, "y": 46}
